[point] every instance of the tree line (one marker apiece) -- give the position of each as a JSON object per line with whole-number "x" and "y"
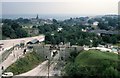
{"x": 11, "y": 29}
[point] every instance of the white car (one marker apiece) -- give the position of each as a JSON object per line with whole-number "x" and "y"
{"x": 7, "y": 75}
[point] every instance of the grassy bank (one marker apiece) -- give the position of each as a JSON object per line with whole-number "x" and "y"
{"x": 25, "y": 64}
{"x": 95, "y": 58}
{"x": 6, "y": 53}
{"x": 94, "y": 63}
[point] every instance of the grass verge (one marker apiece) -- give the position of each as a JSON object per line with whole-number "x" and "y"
{"x": 30, "y": 61}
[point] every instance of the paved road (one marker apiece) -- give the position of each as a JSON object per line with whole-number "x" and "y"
{"x": 16, "y": 54}
{"x": 7, "y": 44}
{"x": 42, "y": 69}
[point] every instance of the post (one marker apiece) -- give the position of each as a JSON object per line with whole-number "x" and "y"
{"x": 13, "y": 51}
{"x": 48, "y": 67}
{"x": 43, "y": 50}
{"x": 49, "y": 59}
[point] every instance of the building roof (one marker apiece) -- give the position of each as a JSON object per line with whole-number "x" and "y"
{"x": 33, "y": 41}
{"x": 105, "y": 32}
{"x": 37, "y": 17}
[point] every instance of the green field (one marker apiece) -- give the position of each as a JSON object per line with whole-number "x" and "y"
{"x": 94, "y": 63}
{"x": 94, "y": 57}
{"x": 25, "y": 64}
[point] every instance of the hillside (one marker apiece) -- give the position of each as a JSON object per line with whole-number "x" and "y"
{"x": 30, "y": 61}
{"x": 94, "y": 63}
{"x": 95, "y": 58}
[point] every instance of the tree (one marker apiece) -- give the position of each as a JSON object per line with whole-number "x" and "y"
{"x": 106, "y": 39}
{"x": 55, "y": 21}
{"x": 110, "y": 72}
{"x": 95, "y": 43}
{"x": 73, "y": 55}
{"x": 21, "y": 33}
{"x": 8, "y": 31}
{"x": 102, "y": 25}
{"x": 12, "y": 29}
{"x": 34, "y": 26}
{"x": 15, "y": 26}
{"x": 113, "y": 40}
{"x": 72, "y": 70}
{"x": 48, "y": 38}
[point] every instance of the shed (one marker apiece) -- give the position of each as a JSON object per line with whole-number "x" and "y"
{"x": 34, "y": 41}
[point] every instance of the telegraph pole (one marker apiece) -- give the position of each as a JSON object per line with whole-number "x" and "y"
{"x": 48, "y": 67}
{"x": 13, "y": 51}
{"x": 49, "y": 59}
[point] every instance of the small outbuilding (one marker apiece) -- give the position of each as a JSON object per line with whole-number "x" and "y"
{"x": 34, "y": 41}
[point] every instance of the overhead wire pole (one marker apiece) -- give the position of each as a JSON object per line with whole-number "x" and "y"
{"x": 13, "y": 51}
{"x": 49, "y": 62}
{"x": 48, "y": 66}
{"x": 50, "y": 57}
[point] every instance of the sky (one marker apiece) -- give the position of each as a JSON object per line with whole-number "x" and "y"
{"x": 78, "y": 7}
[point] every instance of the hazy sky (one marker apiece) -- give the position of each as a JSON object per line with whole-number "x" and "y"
{"x": 81, "y": 7}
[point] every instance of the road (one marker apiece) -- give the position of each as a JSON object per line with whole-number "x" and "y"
{"x": 12, "y": 58}
{"x": 7, "y": 44}
{"x": 42, "y": 69}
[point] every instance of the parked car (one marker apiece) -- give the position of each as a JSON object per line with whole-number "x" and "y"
{"x": 7, "y": 75}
